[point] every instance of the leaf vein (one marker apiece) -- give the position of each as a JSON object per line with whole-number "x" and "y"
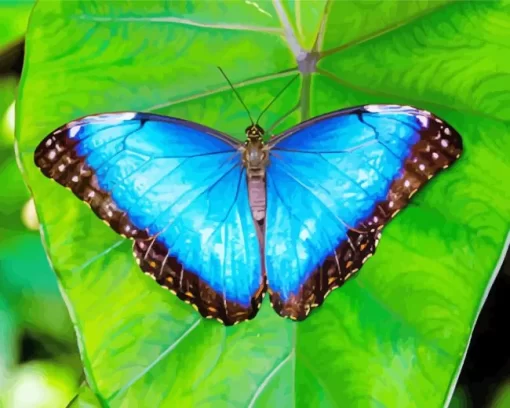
{"x": 169, "y": 349}
{"x": 180, "y": 21}
{"x": 268, "y": 378}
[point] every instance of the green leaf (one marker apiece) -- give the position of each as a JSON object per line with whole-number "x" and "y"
{"x": 14, "y": 193}
{"x": 7, "y": 95}
{"x": 85, "y": 399}
{"x": 460, "y": 399}
{"x": 502, "y": 396}
{"x": 14, "y": 19}
{"x": 39, "y": 384}
{"x": 8, "y": 341}
{"x": 394, "y": 336}
{"x": 30, "y": 288}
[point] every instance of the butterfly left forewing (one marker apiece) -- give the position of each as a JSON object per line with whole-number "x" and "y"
{"x": 179, "y": 190}
{"x": 59, "y": 158}
{"x": 333, "y": 184}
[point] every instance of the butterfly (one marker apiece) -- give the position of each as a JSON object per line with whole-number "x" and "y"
{"x": 219, "y": 222}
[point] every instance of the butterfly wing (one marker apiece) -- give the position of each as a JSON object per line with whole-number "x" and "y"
{"x": 332, "y": 183}
{"x": 179, "y": 190}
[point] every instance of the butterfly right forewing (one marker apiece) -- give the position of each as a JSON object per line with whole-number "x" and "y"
{"x": 333, "y": 183}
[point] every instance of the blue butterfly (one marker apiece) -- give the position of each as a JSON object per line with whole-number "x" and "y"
{"x": 220, "y": 223}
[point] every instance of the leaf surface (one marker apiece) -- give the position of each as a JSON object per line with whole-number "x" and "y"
{"x": 396, "y": 334}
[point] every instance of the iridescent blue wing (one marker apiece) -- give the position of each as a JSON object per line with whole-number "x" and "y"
{"x": 333, "y": 183}
{"x": 180, "y": 191}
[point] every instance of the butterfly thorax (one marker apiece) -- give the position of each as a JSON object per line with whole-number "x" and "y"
{"x": 255, "y": 160}
{"x": 255, "y": 157}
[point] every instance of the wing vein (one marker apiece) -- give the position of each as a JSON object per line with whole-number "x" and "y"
{"x": 192, "y": 201}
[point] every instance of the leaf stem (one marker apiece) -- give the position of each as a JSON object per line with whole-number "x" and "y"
{"x": 289, "y": 31}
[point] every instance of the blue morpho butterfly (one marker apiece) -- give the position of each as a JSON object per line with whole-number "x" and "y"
{"x": 219, "y": 222}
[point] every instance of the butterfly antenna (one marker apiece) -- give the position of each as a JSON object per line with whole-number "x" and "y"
{"x": 237, "y": 94}
{"x": 276, "y": 97}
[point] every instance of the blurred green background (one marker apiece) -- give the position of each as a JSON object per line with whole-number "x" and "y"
{"x": 39, "y": 360}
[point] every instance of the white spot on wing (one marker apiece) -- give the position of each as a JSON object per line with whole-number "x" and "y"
{"x": 381, "y": 108}
{"x": 74, "y": 131}
{"x": 126, "y": 115}
{"x": 444, "y": 143}
{"x": 424, "y": 121}
{"x": 113, "y": 118}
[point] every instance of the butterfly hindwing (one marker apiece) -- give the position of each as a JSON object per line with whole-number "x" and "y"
{"x": 156, "y": 261}
{"x": 333, "y": 183}
{"x": 179, "y": 190}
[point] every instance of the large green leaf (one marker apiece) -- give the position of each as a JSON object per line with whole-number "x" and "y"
{"x": 395, "y": 335}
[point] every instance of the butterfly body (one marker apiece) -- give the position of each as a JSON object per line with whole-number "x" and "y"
{"x": 220, "y": 223}
{"x": 255, "y": 160}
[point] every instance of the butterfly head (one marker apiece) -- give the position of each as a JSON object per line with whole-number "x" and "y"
{"x": 254, "y": 132}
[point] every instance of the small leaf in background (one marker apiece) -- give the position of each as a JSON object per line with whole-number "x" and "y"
{"x": 29, "y": 215}
{"x": 29, "y": 285}
{"x": 460, "y": 399}
{"x": 13, "y": 193}
{"x": 7, "y": 95}
{"x": 393, "y": 336}
{"x": 502, "y": 397}
{"x": 34, "y": 323}
{"x": 8, "y": 341}
{"x": 14, "y": 19}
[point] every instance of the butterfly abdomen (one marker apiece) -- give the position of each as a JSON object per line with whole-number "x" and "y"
{"x": 255, "y": 160}
{"x": 257, "y": 196}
